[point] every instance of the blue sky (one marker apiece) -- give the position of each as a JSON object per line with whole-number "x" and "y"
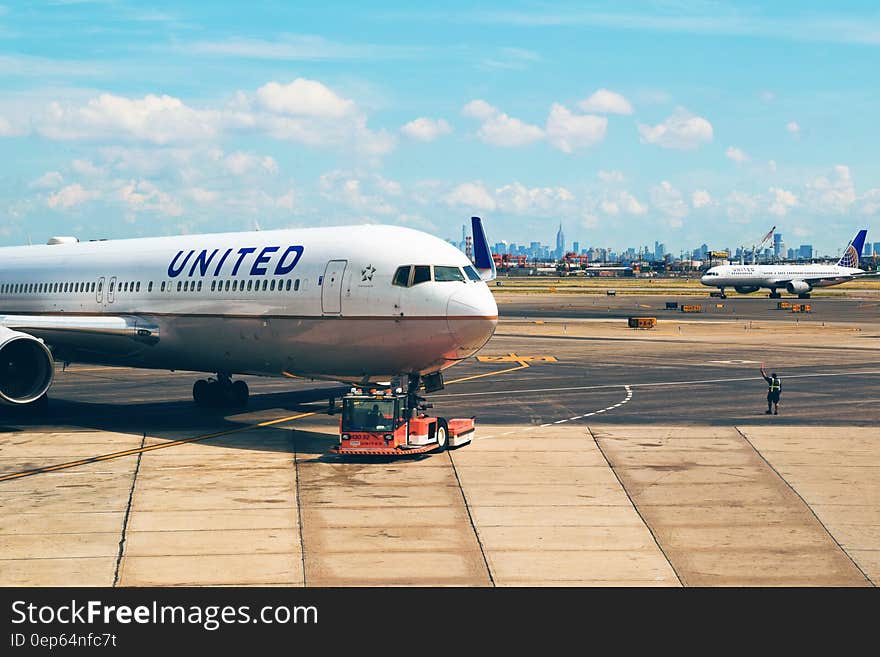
{"x": 683, "y": 121}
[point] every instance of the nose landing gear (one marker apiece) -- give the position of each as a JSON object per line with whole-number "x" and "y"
{"x": 221, "y": 392}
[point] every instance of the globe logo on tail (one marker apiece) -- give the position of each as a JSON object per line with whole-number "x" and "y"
{"x": 850, "y": 257}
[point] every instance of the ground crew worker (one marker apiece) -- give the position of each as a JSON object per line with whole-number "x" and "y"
{"x": 774, "y": 391}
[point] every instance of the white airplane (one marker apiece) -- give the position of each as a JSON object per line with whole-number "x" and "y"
{"x": 356, "y": 304}
{"x": 796, "y": 279}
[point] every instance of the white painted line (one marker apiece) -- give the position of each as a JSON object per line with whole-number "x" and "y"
{"x": 652, "y": 385}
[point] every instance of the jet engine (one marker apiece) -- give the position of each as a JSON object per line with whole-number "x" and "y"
{"x": 746, "y": 289}
{"x": 26, "y": 367}
{"x": 798, "y": 287}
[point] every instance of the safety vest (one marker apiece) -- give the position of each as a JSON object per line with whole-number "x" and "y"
{"x": 775, "y": 385}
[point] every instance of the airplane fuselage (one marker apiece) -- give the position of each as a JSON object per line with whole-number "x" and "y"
{"x": 777, "y": 276}
{"x": 316, "y": 302}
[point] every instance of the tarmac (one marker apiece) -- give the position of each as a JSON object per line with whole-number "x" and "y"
{"x": 605, "y": 456}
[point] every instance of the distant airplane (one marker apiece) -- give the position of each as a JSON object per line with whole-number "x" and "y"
{"x": 357, "y": 304}
{"x": 796, "y": 279}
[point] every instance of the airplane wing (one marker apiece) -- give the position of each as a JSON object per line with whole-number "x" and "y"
{"x": 482, "y": 255}
{"x": 53, "y": 327}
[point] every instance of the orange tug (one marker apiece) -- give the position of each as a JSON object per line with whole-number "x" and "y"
{"x": 392, "y": 423}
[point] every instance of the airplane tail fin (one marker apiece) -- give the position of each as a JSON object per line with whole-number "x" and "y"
{"x": 482, "y": 255}
{"x": 853, "y": 252}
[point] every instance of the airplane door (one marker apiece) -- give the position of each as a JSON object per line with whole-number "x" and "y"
{"x": 331, "y": 287}
{"x": 99, "y": 291}
{"x": 111, "y": 290}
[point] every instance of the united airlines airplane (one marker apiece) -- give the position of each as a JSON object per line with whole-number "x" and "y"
{"x": 796, "y": 279}
{"x": 354, "y": 304}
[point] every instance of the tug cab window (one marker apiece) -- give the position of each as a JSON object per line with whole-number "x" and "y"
{"x": 447, "y": 274}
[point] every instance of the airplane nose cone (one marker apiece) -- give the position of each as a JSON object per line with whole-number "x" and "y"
{"x": 704, "y": 280}
{"x": 472, "y": 316}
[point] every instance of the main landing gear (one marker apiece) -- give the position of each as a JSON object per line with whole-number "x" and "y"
{"x": 775, "y": 295}
{"x": 221, "y": 391}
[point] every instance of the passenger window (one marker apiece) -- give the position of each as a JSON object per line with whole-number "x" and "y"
{"x": 138, "y": 286}
{"x": 446, "y": 274}
{"x": 234, "y": 285}
{"x": 200, "y": 286}
{"x": 422, "y": 274}
{"x": 250, "y": 284}
{"x": 179, "y": 286}
{"x": 162, "y": 287}
{"x": 186, "y": 286}
{"x": 150, "y": 286}
{"x": 287, "y": 285}
{"x": 296, "y": 285}
{"x": 227, "y": 286}
{"x": 213, "y": 285}
{"x": 265, "y": 285}
{"x": 401, "y": 276}
{"x": 272, "y": 286}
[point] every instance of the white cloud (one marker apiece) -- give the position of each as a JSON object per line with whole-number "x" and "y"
{"x": 49, "y": 180}
{"x": 568, "y": 132}
{"x": 610, "y": 176}
{"x": 737, "y": 155}
{"x": 782, "y": 200}
{"x": 606, "y": 102}
{"x": 286, "y": 201}
{"x": 156, "y": 119}
{"x": 303, "y": 97}
{"x": 240, "y": 163}
{"x": 832, "y": 194}
{"x": 363, "y": 194}
{"x": 668, "y": 200}
{"x": 610, "y": 207}
{"x": 202, "y": 196}
{"x": 700, "y": 199}
{"x": 499, "y": 129}
{"x": 471, "y": 195}
{"x": 682, "y": 130}
{"x": 143, "y": 195}
{"x": 629, "y": 204}
{"x": 771, "y": 166}
{"x": 87, "y": 168}
{"x": 9, "y": 130}
{"x": 741, "y": 206}
{"x": 71, "y": 196}
{"x": 793, "y": 128}
{"x": 425, "y": 129}
{"x": 543, "y": 201}
{"x": 479, "y": 109}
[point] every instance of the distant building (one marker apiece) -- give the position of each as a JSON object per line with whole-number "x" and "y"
{"x": 805, "y": 252}
{"x": 576, "y": 247}
{"x": 778, "y": 245}
{"x": 792, "y": 254}
{"x": 560, "y": 242}
{"x": 877, "y": 248}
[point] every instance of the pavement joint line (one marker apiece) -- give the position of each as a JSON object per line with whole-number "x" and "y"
{"x": 635, "y": 506}
{"x": 809, "y": 508}
{"x": 467, "y": 508}
{"x": 302, "y": 543}
{"x": 150, "y": 448}
{"x": 137, "y": 467}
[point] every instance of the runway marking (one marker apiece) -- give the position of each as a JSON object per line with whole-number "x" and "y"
{"x": 150, "y": 448}
{"x": 655, "y": 384}
{"x": 513, "y": 358}
{"x": 510, "y": 358}
{"x": 629, "y": 395}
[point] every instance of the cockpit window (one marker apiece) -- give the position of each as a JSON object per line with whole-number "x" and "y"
{"x": 472, "y": 274}
{"x": 445, "y": 274}
{"x": 422, "y": 274}
{"x": 401, "y": 276}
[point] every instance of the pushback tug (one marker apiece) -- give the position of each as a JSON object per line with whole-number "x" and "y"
{"x": 391, "y": 422}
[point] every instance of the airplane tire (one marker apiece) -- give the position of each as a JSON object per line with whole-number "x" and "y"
{"x": 201, "y": 392}
{"x": 442, "y": 435}
{"x": 240, "y": 393}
